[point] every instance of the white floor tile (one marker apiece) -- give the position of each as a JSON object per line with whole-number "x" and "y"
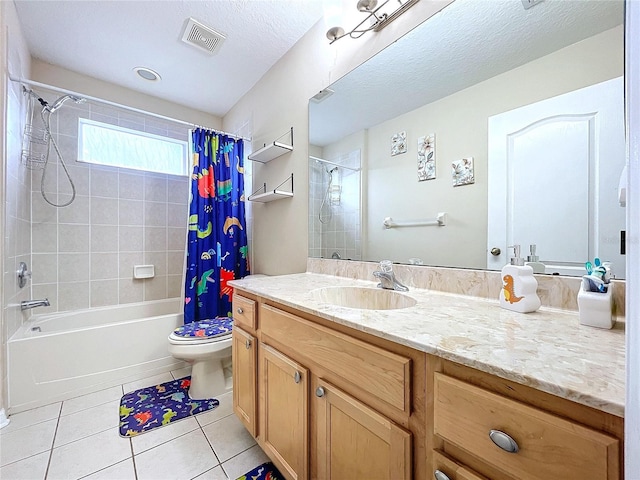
{"x": 31, "y": 468}
{"x": 181, "y": 373}
{"x": 182, "y": 458}
{"x": 91, "y": 400}
{"x": 119, "y": 471}
{"x": 228, "y": 437}
{"x": 88, "y": 455}
{"x": 147, "y": 382}
{"x": 223, "y": 410}
{"x": 26, "y": 442}
{"x": 161, "y": 435}
{"x": 31, "y": 417}
{"x": 213, "y": 474}
{"x": 87, "y": 422}
{"x": 246, "y": 461}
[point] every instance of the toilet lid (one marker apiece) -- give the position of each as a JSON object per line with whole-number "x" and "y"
{"x": 204, "y": 329}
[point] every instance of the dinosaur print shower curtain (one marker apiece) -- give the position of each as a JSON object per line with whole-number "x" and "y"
{"x": 217, "y": 248}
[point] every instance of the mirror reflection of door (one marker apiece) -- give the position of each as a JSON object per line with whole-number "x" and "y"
{"x": 548, "y": 157}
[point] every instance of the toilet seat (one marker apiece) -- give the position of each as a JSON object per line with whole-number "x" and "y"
{"x": 204, "y": 331}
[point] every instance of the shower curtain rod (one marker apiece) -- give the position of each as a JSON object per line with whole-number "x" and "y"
{"x": 322, "y": 160}
{"x": 119, "y": 105}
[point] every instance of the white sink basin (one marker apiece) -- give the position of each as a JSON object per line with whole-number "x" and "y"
{"x": 363, "y": 298}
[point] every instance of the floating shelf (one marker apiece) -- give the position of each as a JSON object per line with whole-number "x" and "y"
{"x": 273, "y": 150}
{"x": 269, "y": 196}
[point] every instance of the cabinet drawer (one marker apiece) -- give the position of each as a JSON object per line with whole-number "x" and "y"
{"x": 380, "y": 373}
{"x": 547, "y": 446}
{"x": 244, "y": 312}
{"x": 446, "y": 469}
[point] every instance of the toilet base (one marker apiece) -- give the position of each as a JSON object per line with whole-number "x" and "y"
{"x": 207, "y": 379}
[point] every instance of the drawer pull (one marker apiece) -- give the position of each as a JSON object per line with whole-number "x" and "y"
{"x": 438, "y": 475}
{"x": 240, "y": 310}
{"x": 247, "y": 344}
{"x": 297, "y": 377}
{"x": 319, "y": 392}
{"x": 504, "y": 441}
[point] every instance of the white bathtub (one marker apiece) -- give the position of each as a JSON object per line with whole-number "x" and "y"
{"x": 58, "y": 356}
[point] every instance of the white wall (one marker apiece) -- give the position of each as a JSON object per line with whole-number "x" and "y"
{"x": 15, "y": 182}
{"x": 60, "y": 77}
{"x": 632, "y": 409}
{"x": 280, "y": 100}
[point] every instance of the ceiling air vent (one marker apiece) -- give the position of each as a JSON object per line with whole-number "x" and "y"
{"x": 202, "y": 37}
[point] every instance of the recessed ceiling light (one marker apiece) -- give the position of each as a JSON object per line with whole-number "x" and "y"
{"x": 148, "y": 74}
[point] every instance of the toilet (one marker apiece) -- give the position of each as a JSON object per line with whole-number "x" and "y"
{"x": 206, "y": 345}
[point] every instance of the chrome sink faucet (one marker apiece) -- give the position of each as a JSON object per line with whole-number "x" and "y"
{"x": 387, "y": 278}
{"x": 27, "y": 304}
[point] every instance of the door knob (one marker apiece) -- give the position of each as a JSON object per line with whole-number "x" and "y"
{"x": 247, "y": 344}
{"x": 240, "y": 310}
{"x": 495, "y": 251}
{"x": 319, "y": 392}
{"x": 297, "y": 377}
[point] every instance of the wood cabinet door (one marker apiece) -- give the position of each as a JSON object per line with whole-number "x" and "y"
{"x": 244, "y": 357}
{"x": 284, "y": 412}
{"x": 355, "y": 441}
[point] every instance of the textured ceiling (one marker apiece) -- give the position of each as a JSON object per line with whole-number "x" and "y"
{"x": 467, "y": 42}
{"x": 107, "y": 39}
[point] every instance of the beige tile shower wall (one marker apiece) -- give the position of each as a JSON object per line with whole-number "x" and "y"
{"x": 83, "y": 254}
{"x": 15, "y": 188}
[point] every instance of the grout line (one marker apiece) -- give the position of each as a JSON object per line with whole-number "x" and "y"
{"x": 133, "y": 458}
{"x": 53, "y": 440}
{"x": 82, "y": 438}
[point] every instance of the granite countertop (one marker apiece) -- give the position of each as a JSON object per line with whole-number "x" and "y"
{"x": 548, "y": 349}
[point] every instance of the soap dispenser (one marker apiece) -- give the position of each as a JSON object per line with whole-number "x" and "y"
{"x": 534, "y": 261}
{"x": 519, "y": 286}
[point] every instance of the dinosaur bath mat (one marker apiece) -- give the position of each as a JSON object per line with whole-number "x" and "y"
{"x": 151, "y": 407}
{"x": 266, "y": 471}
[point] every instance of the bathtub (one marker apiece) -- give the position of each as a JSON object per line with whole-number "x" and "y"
{"x": 58, "y": 356}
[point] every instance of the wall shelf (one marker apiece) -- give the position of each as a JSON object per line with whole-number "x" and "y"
{"x": 263, "y": 195}
{"x": 274, "y": 150}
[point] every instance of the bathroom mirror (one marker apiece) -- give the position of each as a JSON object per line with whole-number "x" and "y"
{"x": 452, "y": 87}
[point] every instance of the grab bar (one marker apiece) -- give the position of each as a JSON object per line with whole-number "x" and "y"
{"x": 440, "y": 221}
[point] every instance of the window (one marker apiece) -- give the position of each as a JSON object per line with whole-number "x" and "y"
{"x": 105, "y": 144}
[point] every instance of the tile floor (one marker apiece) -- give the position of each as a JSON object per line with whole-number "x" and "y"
{"x": 79, "y": 438}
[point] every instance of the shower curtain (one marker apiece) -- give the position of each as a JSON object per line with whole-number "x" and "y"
{"x": 217, "y": 248}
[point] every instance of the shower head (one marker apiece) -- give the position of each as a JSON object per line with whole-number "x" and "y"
{"x": 58, "y": 103}
{"x": 333, "y": 170}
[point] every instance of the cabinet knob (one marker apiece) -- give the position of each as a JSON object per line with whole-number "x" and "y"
{"x": 319, "y": 392}
{"x": 240, "y": 310}
{"x": 438, "y": 475}
{"x": 495, "y": 251}
{"x": 247, "y": 344}
{"x": 504, "y": 441}
{"x": 297, "y": 377}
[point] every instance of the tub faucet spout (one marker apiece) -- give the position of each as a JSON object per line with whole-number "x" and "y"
{"x": 27, "y": 304}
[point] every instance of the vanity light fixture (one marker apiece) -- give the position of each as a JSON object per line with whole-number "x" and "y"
{"x": 378, "y": 17}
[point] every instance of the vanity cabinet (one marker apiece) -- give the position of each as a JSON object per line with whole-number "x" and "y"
{"x": 347, "y": 429}
{"x": 334, "y": 402}
{"x": 244, "y": 355}
{"x": 284, "y": 415}
{"x": 328, "y": 395}
{"x": 487, "y": 427}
